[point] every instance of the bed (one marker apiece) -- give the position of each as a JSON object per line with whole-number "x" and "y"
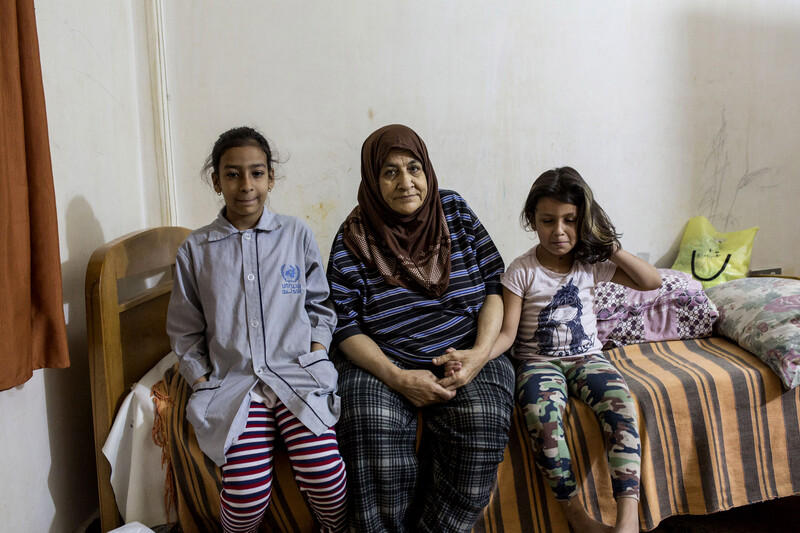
{"x": 718, "y": 428}
{"x": 128, "y": 282}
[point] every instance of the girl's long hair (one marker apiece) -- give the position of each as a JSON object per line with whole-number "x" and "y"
{"x": 596, "y": 234}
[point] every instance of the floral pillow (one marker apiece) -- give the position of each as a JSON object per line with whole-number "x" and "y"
{"x": 678, "y": 310}
{"x": 762, "y": 315}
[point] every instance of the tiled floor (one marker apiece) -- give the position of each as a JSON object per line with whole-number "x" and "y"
{"x": 776, "y": 516}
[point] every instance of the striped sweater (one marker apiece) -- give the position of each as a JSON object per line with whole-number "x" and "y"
{"x": 408, "y": 325}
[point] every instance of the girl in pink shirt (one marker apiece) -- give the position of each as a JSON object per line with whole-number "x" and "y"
{"x": 548, "y": 295}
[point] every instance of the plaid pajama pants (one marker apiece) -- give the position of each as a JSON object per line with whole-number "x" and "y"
{"x": 543, "y": 389}
{"x": 448, "y": 483}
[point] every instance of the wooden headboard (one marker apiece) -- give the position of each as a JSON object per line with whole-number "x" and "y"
{"x": 128, "y": 282}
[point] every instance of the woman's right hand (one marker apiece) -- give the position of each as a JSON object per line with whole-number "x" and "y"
{"x": 420, "y": 387}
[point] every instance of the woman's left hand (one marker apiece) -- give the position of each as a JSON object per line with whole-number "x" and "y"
{"x": 460, "y": 366}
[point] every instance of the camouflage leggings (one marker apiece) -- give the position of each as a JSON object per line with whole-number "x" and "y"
{"x": 542, "y": 392}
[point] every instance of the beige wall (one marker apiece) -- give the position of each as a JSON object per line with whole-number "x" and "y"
{"x": 633, "y": 96}
{"x": 652, "y": 102}
{"x": 95, "y": 70}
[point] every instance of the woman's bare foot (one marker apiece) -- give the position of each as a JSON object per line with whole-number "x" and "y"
{"x": 579, "y": 519}
{"x": 627, "y": 515}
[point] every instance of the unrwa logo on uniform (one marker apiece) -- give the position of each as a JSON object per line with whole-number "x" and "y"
{"x": 291, "y": 279}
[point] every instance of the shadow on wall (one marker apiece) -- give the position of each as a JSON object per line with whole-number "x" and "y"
{"x": 668, "y": 259}
{"x": 73, "y": 480}
{"x": 742, "y": 118}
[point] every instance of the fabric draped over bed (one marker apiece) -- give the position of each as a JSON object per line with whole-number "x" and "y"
{"x": 717, "y": 428}
{"x": 193, "y": 480}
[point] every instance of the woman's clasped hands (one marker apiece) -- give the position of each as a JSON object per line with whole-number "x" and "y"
{"x": 460, "y": 366}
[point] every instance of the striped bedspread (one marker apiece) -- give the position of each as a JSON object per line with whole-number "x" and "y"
{"x": 193, "y": 481}
{"x": 718, "y": 431}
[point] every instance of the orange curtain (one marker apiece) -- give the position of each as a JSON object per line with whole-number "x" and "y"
{"x": 32, "y": 330}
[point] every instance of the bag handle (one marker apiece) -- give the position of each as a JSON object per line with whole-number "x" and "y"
{"x": 715, "y": 276}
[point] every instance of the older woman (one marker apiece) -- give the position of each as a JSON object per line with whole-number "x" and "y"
{"x": 415, "y": 279}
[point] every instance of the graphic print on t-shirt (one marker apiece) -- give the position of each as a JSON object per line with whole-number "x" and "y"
{"x": 560, "y": 331}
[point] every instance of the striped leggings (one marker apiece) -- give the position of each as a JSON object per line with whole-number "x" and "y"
{"x": 247, "y": 474}
{"x": 543, "y": 388}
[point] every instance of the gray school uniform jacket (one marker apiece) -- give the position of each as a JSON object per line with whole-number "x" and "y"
{"x": 245, "y": 308}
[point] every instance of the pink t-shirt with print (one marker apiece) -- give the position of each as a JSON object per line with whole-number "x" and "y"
{"x": 557, "y": 318}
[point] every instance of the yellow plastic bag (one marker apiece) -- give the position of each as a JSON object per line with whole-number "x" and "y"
{"x": 712, "y": 257}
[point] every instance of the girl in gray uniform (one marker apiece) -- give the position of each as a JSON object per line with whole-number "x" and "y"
{"x": 250, "y": 321}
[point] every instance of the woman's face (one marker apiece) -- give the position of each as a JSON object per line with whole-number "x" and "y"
{"x": 402, "y": 181}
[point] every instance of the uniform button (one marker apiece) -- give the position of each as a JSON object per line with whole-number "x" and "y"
{"x": 250, "y": 277}
{"x": 261, "y": 370}
{"x": 247, "y": 236}
{"x": 254, "y": 323}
